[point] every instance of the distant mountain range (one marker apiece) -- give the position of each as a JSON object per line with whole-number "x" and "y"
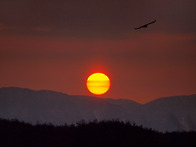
{"x": 177, "y": 113}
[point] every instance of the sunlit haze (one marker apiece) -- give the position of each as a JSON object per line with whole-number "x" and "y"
{"x": 56, "y": 45}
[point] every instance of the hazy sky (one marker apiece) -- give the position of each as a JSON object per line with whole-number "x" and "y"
{"x": 56, "y": 44}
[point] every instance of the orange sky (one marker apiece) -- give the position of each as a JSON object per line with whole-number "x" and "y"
{"x": 47, "y": 50}
{"x": 136, "y": 72}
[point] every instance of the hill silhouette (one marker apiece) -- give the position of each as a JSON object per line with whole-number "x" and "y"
{"x": 175, "y": 113}
{"x": 94, "y": 133}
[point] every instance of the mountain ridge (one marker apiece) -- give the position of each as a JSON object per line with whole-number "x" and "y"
{"x": 57, "y": 92}
{"x": 164, "y": 114}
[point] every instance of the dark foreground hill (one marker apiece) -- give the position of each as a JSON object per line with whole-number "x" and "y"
{"x": 175, "y": 113}
{"x": 95, "y": 133}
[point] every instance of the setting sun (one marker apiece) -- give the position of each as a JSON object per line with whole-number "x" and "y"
{"x": 98, "y": 83}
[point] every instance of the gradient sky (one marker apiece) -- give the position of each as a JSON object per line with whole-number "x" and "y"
{"x": 56, "y": 44}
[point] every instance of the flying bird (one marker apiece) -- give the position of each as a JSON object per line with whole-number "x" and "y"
{"x": 146, "y": 25}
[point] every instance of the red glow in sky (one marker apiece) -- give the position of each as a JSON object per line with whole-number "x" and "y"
{"x": 56, "y": 45}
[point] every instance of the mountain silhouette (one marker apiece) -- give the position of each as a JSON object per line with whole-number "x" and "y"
{"x": 164, "y": 114}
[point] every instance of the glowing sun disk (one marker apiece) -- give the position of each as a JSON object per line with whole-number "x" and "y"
{"x": 98, "y": 83}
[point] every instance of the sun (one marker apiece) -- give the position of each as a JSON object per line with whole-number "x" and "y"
{"x": 98, "y": 83}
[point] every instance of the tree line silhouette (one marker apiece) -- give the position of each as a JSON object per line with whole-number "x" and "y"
{"x": 115, "y": 133}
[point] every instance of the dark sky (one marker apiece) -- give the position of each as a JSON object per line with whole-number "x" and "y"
{"x": 56, "y": 44}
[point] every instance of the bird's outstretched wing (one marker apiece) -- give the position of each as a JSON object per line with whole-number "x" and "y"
{"x": 151, "y": 22}
{"x": 146, "y": 25}
{"x": 139, "y": 27}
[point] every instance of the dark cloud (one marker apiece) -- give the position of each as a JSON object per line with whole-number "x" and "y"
{"x": 95, "y": 18}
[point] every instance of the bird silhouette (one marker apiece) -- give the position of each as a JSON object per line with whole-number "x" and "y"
{"x": 146, "y": 25}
